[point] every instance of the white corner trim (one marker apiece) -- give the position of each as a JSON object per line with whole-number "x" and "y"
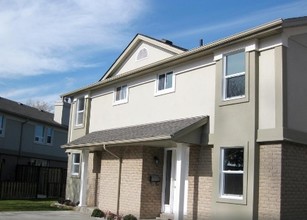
{"x": 218, "y": 57}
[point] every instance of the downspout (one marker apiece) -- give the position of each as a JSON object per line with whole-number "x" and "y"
{"x": 119, "y": 176}
{"x": 20, "y": 139}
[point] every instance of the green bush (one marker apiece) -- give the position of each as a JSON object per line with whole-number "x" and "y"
{"x": 130, "y": 217}
{"x": 98, "y": 213}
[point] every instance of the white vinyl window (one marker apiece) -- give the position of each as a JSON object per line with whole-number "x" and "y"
{"x": 234, "y": 75}
{"x": 43, "y": 135}
{"x": 165, "y": 83}
{"x": 1, "y": 125}
{"x": 49, "y": 135}
{"x": 39, "y": 134}
{"x": 75, "y": 169}
{"x": 121, "y": 94}
{"x": 80, "y": 111}
{"x": 232, "y": 171}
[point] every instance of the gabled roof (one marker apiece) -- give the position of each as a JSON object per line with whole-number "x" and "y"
{"x": 24, "y": 111}
{"x": 165, "y": 130}
{"x": 165, "y": 44}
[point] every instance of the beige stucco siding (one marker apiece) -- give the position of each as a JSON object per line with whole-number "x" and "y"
{"x": 193, "y": 96}
{"x": 267, "y": 89}
{"x": 297, "y": 83}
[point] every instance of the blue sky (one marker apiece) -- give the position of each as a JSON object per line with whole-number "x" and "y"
{"x": 48, "y": 48}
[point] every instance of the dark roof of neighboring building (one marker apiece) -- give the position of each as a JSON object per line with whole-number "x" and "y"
{"x": 138, "y": 133}
{"x": 27, "y": 112}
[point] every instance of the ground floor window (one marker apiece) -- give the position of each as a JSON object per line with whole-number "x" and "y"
{"x": 232, "y": 171}
{"x": 75, "y": 170}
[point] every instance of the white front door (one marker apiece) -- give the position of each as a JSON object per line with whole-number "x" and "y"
{"x": 169, "y": 180}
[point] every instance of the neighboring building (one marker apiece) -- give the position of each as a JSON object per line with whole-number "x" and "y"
{"x": 216, "y": 132}
{"x": 29, "y": 136}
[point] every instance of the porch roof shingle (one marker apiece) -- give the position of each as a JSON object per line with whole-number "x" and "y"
{"x": 165, "y": 130}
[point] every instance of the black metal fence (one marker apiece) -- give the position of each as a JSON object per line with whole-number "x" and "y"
{"x": 35, "y": 182}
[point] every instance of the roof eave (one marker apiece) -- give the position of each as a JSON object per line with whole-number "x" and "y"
{"x": 119, "y": 142}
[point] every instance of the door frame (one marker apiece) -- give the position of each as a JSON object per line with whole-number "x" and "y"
{"x": 169, "y": 208}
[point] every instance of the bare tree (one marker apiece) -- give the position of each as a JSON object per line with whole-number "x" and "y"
{"x": 41, "y": 105}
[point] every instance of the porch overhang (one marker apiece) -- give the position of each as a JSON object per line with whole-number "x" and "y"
{"x": 186, "y": 130}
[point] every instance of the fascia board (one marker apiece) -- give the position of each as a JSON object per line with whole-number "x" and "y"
{"x": 107, "y": 143}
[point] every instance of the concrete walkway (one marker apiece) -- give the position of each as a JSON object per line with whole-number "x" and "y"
{"x": 45, "y": 215}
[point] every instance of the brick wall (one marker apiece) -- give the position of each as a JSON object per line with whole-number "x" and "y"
{"x": 270, "y": 181}
{"x": 108, "y": 187}
{"x": 200, "y": 183}
{"x": 283, "y": 181}
{"x": 131, "y": 178}
{"x": 94, "y": 167}
{"x": 131, "y": 181}
{"x": 151, "y": 192}
{"x": 294, "y": 181}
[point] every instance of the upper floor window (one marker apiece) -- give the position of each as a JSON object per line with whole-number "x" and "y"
{"x": 121, "y": 94}
{"x": 232, "y": 170}
{"x": 80, "y": 111}
{"x": 39, "y": 134}
{"x": 1, "y": 125}
{"x": 75, "y": 169}
{"x": 165, "y": 83}
{"x": 234, "y": 75}
{"x": 49, "y": 135}
{"x": 43, "y": 135}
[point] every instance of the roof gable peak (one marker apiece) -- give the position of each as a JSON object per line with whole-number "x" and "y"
{"x": 150, "y": 48}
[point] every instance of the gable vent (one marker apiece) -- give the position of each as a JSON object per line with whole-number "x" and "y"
{"x": 143, "y": 53}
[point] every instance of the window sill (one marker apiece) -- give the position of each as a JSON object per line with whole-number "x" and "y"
{"x": 234, "y": 100}
{"x": 164, "y": 92}
{"x": 79, "y": 126}
{"x": 75, "y": 176}
{"x": 120, "y": 102}
{"x": 232, "y": 199}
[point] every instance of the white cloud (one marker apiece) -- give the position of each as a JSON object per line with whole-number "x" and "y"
{"x": 292, "y": 9}
{"x": 39, "y": 36}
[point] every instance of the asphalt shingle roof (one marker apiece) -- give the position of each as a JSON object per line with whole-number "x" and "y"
{"x": 27, "y": 112}
{"x": 165, "y": 129}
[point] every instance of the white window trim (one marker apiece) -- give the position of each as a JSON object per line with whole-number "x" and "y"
{"x": 225, "y": 77}
{"x": 222, "y": 195}
{"x": 73, "y": 164}
{"x": 2, "y": 128}
{"x": 45, "y": 135}
{"x": 41, "y": 139}
{"x": 165, "y": 91}
{"x": 78, "y": 111}
{"x": 121, "y": 101}
{"x": 52, "y": 134}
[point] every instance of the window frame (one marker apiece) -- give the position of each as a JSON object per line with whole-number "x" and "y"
{"x": 51, "y": 135}
{"x": 232, "y": 198}
{"x": 74, "y": 164}
{"x": 238, "y": 74}
{"x": 2, "y": 125}
{"x": 41, "y": 138}
{"x": 77, "y": 112}
{"x": 165, "y": 90}
{"x": 121, "y": 99}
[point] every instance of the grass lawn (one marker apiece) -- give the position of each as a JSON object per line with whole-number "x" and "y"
{"x": 27, "y": 205}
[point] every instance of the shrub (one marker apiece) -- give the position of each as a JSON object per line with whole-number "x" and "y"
{"x": 98, "y": 213}
{"x": 130, "y": 217}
